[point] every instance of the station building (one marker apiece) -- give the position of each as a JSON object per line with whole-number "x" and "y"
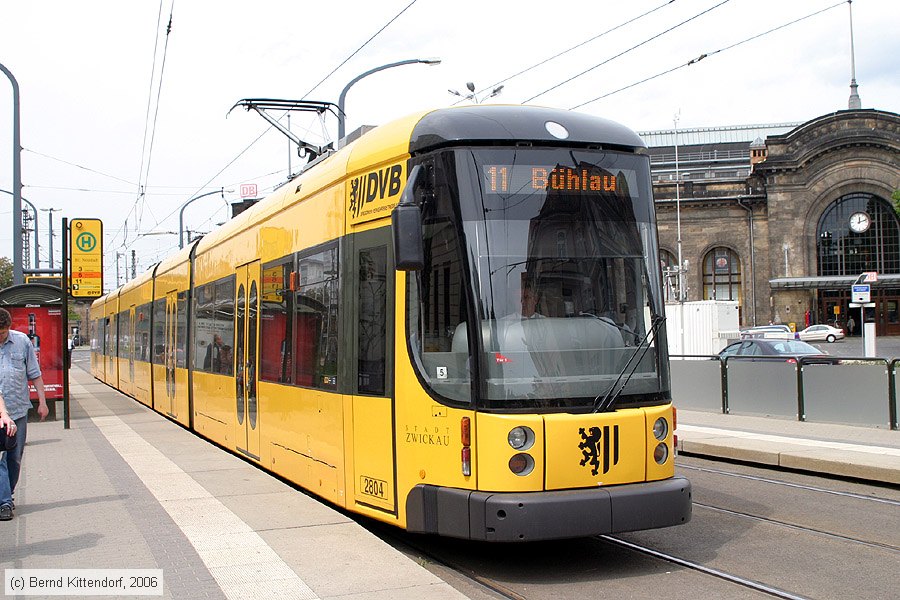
{"x": 783, "y": 218}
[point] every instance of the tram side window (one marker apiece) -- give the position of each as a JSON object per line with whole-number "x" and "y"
{"x": 123, "y": 339}
{"x": 207, "y": 348}
{"x": 224, "y": 309}
{"x": 316, "y": 316}
{"x": 142, "y": 333}
{"x": 437, "y": 319}
{"x": 181, "y": 331}
{"x": 214, "y": 327}
{"x": 104, "y": 336}
{"x": 372, "y": 320}
{"x": 276, "y": 323}
{"x": 111, "y": 333}
{"x": 158, "y": 338}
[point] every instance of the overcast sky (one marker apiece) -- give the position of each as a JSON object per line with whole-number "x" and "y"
{"x": 89, "y": 75}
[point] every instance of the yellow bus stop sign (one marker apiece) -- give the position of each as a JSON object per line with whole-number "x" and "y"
{"x": 86, "y": 252}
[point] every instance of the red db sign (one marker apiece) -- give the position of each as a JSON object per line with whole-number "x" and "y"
{"x": 249, "y": 190}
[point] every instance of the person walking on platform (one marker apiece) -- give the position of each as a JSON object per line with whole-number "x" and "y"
{"x": 18, "y": 366}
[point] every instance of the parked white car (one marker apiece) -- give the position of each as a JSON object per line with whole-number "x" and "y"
{"x": 770, "y": 332}
{"x": 821, "y": 333}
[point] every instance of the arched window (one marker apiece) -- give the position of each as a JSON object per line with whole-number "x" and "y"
{"x": 857, "y": 233}
{"x": 721, "y": 275}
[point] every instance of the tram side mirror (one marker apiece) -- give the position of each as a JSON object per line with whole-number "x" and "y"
{"x": 406, "y": 226}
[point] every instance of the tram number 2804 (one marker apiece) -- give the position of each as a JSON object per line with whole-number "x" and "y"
{"x": 374, "y": 487}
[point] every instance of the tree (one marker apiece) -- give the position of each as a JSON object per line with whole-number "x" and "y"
{"x": 6, "y": 272}
{"x": 896, "y": 198}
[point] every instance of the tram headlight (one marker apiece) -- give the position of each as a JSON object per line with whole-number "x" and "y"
{"x": 521, "y": 464}
{"x": 661, "y": 428}
{"x": 520, "y": 438}
{"x": 661, "y": 454}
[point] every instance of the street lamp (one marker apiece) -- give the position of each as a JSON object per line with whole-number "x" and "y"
{"x": 411, "y": 61}
{"x": 17, "y": 182}
{"x": 471, "y": 95}
{"x": 183, "y": 206}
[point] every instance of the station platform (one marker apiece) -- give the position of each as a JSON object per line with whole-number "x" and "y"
{"x": 866, "y": 453}
{"x": 124, "y": 488}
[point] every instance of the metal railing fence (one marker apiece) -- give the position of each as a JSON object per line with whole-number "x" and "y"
{"x": 853, "y": 391}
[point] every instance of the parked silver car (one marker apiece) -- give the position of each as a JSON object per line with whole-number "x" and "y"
{"x": 771, "y": 332}
{"x": 821, "y": 333}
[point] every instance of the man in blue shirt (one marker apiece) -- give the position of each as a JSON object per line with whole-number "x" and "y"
{"x": 18, "y": 366}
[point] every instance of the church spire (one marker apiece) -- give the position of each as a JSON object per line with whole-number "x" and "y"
{"x": 855, "y": 103}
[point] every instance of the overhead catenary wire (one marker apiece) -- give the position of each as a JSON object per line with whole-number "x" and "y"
{"x": 355, "y": 52}
{"x": 575, "y": 47}
{"x": 77, "y": 166}
{"x": 226, "y": 205}
{"x": 146, "y": 152}
{"x": 159, "y": 86}
{"x": 624, "y": 52}
{"x": 97, "y": 172}
{"x": 311, "y": 90}
{"x": 95, "y": 191}
{"x": 209, "y": 220}
{"x": 150, "y": 95}
{"x": 705, "y": 55}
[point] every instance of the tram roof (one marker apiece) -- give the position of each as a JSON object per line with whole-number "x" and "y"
{"x": 503, "y": 123}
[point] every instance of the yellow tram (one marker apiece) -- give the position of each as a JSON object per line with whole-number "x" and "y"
{"x": 453, "y": 325}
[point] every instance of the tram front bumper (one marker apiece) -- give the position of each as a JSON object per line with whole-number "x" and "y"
{"x": 531, "y": 516}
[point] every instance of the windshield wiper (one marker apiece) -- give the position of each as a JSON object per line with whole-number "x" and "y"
{"x": 554, "y": 262}
{"x": 611, "y": 323}
{"x": 608, "y": 401}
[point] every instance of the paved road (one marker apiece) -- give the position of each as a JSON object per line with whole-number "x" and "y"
{"x": 885, "y": 347}
{"x": 811, "y": 536}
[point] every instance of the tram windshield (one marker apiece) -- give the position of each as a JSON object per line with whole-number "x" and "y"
{"x": 556, "y": 250}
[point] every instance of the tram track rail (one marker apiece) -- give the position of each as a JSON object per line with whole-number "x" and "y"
{"x": 791, "y": 525}
{"x": 751, "y": 581}
{"x": 404, "y": 544}
{"x": 694, "y": 566}
{"x": 502, "y": 591}
{"x": 790, "y": 484}
{"x": 744, "y": 581}
{"x": 801, "y": 528}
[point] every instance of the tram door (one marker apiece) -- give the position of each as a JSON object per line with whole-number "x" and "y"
{"x": 374, "y": 452}
{"x": 246, "y": 327}
{"x": 131, "y": 347}
{"x": 111, "y": 376}
{"x": 171, "y": 352}
{"x": 104, "y": 367}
